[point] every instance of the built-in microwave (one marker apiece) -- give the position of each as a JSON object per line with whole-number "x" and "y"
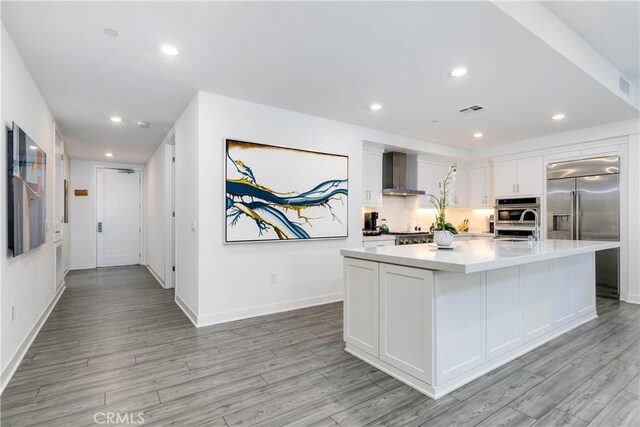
{"x": 509, "y": 211}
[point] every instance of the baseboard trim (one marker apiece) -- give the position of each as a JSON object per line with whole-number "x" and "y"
{"x": 67, "y": 271}
{"x": 156, "y": 275}
{"x": 17, "y": 357}
{"x": 214, "y": 319}
{"x": 82, "y": 267}
{"x": 633, "y": 298}
{"x": 188, "y": 311}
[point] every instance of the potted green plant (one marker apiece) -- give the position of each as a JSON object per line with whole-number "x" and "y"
{"x": 443, "y": 230}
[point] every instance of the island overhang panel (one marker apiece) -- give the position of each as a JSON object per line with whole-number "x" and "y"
{"x": 437, "y": 320}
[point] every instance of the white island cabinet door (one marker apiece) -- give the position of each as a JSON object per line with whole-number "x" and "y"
{"x": 563, "y": 280}
{"x": 536, "y": 300}
{"x": 460, "y": 324}
{"x": 406, "y": 307}
{"x": 361, "y": 304}
{"x": 504, "y": 331}
{"x": 585, "y": 285}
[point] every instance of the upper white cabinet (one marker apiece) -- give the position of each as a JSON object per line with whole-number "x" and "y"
{"x": 430, "y": 175}
{"x": 458, "y": 198}
{"x": 478, "y": 187}
{"x": 521, "y": 177}
{"x": 372, "y": 178}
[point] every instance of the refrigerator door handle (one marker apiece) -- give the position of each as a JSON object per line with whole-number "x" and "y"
{"x": 577, "y": 214}
{"x": 573, "y": 215}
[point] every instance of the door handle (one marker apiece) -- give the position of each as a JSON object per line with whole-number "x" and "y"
{"x": 573, "y": 215}
{"x": 100, "y": 227}
{"x": 514, "y": 189}
{"x": 517, "y": 188}
{"x": 577, "y": 215}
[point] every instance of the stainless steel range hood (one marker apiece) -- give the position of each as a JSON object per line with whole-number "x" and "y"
{"x": 400, "y": 175}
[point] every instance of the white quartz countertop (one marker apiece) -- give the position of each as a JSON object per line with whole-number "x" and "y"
{"x": 477, "y": 255}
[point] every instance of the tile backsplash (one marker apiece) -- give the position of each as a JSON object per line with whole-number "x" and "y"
{"x": 399, "y": 211}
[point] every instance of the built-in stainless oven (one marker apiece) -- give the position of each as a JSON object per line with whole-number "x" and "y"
{"x": 508, "y": 213}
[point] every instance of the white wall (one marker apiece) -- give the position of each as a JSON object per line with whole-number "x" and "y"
{"x": 155, "y": 211}
{"x": 187, "y": 181}
{"x": 28, "y": 281}
{"x": 233, "y": 281}
{"x": 82, "y": 210}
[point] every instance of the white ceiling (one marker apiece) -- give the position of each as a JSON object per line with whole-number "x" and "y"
{"x": 326, "y": 59}
{"x": 611, "y": 27}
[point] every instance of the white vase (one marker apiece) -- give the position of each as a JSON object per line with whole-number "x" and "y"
{"x": 443, "y": 238}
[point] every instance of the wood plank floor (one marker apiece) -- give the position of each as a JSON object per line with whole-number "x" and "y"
{"x": 117, "y": 343}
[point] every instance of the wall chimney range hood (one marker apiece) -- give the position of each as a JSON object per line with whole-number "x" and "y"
{"x": 400, "y": 174}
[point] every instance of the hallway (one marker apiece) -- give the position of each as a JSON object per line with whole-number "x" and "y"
{"x": 117, "y": 343}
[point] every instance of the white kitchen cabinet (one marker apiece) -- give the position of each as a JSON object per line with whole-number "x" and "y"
{"x": 503, "y": 311}
{"x": 406, "y": 300}
{"x": 536, "y": 291}
{"x": 430, "y": 175}
{"x": 437, "y": 330}
{"x": 478, "y": 181}
{"x": 521, "y": 177}
{"x": 505, "y": 176}
{"x": 585, "y": 298}
{"x": 377, "y": 243}
{"x": 372, "y": 179}
{"x": 458, "y": 198}
{"x": 459, "y": 323}
{"x": 562, "y": 284}
{"x": 361, "y": 304}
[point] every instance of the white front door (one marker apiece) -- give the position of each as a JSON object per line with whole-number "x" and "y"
{"x": 118, "y": 217}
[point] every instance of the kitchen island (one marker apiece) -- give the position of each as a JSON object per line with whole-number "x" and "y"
{"x": 437, "y": 319}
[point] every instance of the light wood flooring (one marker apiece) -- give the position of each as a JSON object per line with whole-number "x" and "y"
{"x": 117, "y": 343}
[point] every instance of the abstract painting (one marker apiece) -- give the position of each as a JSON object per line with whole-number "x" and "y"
{"x": 27, "y": 192}
{"x": 277, "y": 194}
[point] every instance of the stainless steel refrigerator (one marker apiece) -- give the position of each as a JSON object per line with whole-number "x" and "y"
{"x": 583, "y": 203}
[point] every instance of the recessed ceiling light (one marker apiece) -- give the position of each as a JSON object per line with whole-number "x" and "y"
{"x": 478, "y": 135}
{"x": 110, "y": 32}
{"x": 458, "y": 72}
{"x": 375, "y": 107}
{"x": 558, "y": 116}
{"x": 116, "y": 119}
{"x": 144, "y": 125}
{"x": 33, "y": 147}
{"x": 169, "y": 50}
{"x": 108, "y": 154}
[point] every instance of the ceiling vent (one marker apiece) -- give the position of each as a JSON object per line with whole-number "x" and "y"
{"x": 471, "y": 110}
{"x": 624, "y": 86}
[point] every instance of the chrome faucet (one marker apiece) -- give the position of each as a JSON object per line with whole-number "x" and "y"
{"x": 536, "y": 230}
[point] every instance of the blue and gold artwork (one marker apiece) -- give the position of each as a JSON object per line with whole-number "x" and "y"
{"x": 278, "y": 193}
